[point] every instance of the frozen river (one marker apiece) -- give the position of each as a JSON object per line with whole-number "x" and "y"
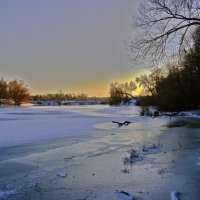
{"x": 76, "y": 153}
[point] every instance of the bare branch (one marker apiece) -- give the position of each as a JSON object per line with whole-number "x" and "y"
{"x": 162, "y": 27}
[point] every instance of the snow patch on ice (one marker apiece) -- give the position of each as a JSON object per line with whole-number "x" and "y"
{"x": 61, "y": 174}
{"x": 150, "y": 149}
{"x": 174, "y": 195}
{"x": 132, "y": 157}
{"x": 6, "y": 193}
{"x": 138, "y": 155}
{"x": 124, "y": 195}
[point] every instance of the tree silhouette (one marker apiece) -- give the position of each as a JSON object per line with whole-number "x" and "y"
{"x": 18, "y": 92}
{"x": 163, "y": 29}
{"x": 3, "y": 89}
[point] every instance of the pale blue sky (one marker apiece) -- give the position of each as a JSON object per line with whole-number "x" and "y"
{"x": 74, "y": 45}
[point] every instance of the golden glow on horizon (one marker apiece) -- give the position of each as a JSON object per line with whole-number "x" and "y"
{"x": 91, "y": 89}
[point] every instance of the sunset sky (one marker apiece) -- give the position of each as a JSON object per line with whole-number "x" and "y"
{"x": 73, "y": 45}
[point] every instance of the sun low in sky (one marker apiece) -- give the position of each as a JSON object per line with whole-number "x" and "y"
{"x": 76, "y": 46}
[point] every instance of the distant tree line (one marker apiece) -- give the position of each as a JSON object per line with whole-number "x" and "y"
{"x": 16, "y": 92}
{"x": 13, "y": 92}
{"x": 61, "y": 96}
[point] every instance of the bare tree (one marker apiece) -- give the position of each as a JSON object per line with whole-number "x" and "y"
{"x": 127, "y": 88}
{"x": 3, "y": 89}
{"x": 150, "y": 82}
{"x": 60, "y": 95}
{"x": 18, "y": 92}
{"x": 163, "y": 27}
{"x": 121, "y": 92}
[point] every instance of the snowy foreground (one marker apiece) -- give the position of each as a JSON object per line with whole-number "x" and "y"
{"x": 77, "y": 153}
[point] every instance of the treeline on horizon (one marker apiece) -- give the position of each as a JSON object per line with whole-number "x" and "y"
{"x": 61, "y": 96}
{"x": 173, "y": 87}
{"x": 16, "y": 92}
